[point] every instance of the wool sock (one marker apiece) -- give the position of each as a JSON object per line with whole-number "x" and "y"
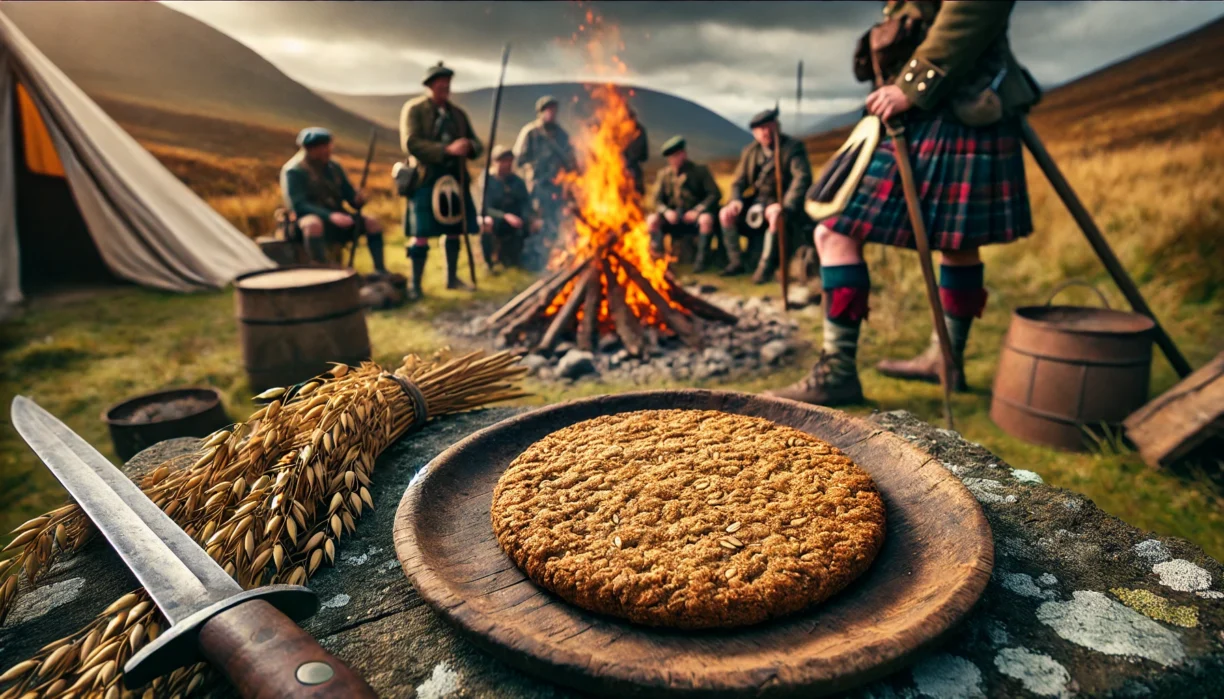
{"x": 317, "y": 249}
{"x": 374, "y": 241}
{"x": 847, "y": 288}
{"x": 963, "y": 297}
{"x": 452, "y": 259}
{"x": 730, "y": 236}
{"x": 418, "y": 254}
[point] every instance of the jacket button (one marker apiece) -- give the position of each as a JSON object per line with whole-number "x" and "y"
{"x": 914, "y": 63}
{"x": 921, "y": 87}
{"x": 930, "y": 74}
{"x": 909, "y": 77}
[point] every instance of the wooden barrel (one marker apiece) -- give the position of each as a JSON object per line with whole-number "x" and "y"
{"x": 142, "y": 421}
{"x": 284, "y": 253}
{"x": 1065, "y": 369}
{"x": 293, "y": 322}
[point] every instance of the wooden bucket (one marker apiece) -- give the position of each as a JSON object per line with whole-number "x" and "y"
{"x": 1064, "y": 369}
{"x": 142, "y": 421}
{"x": 284, "y": 253}
{"x": 293, "y": 322}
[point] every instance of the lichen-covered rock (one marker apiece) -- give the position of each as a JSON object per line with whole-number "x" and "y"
{"x": 1080, "y": 603}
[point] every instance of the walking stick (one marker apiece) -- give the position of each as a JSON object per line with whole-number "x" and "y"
{"x": 897, "y": 133}
{"x": 359, "y": 221}
{"x": 780, "y": 224}
{"x": 467, "y": 242}
{"x": 497, "y": 95}
{"x": 1100, "y": 245}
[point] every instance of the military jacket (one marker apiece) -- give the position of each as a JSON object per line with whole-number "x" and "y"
{"x": 425, "y": 131}
{"x": 309, "y": 189}
{"x": 964, "y": 52}
{"x": 507, "y": 196}
{"x": 545, "y": 151}
{"x": 691, "y": 188}
{"x": 755, "y": 178}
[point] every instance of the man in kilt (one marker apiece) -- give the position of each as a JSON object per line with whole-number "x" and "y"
{"x": 440, "y": 136}
{"x": 315, "y": 189}
{"x": 509, "y": 218}
{"x": 685, "y": 199}
{"x": 945, "y": 72}
{"x": 755, "y": 189}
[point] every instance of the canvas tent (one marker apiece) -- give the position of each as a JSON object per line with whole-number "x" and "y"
{"x": 81, "y": 200}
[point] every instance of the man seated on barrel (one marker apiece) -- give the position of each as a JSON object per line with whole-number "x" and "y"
{"x": 685, "y": 198}
{"x": 315, "y": 189}
{"x": 509, "y": 218}
{"x": 754, "y": 208}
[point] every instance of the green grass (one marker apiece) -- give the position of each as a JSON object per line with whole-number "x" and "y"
{"x": 78, "y": 356}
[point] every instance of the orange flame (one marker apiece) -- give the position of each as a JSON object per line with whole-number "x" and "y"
{"x": 608, "y": 214}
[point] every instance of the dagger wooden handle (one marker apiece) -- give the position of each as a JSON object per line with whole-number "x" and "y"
{"x": 267, "y": 656}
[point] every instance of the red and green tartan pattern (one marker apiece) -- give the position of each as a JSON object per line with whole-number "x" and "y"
{"x": 970, "y": 183}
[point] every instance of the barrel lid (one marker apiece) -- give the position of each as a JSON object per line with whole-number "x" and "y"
{"x": 293, "y": 278}
{"x": 1081, "y": 319}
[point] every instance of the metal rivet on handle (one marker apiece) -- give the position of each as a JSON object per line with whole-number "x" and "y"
{"x": 314, "y": 672}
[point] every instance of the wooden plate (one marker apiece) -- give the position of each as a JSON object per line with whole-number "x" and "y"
{"x": 936, "y": 561}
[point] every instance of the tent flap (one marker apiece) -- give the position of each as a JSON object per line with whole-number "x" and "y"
{"x": 148, "y": 226}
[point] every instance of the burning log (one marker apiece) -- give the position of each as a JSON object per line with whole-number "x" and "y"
{"x": 606, "y": 280}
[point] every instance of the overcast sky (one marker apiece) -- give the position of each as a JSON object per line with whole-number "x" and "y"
{"x": 732, "y": 57}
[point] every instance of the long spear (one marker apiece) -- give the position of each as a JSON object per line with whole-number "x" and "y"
{"x": 799, "y": 100}
{"x": 497, "y": 95}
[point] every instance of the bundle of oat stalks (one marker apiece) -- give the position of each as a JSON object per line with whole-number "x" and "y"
{"x": 268, "y": 499}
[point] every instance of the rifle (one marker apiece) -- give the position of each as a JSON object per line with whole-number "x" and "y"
{"x": 358, "y": 218}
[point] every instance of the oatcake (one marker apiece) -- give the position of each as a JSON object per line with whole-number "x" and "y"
{"x": 688, "y": 518}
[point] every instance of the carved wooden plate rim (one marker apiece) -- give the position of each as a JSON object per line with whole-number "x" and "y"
{"x": 935, "y": 563}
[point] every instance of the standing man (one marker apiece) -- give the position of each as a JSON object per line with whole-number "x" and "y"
{"x": 685, "y": 198}
{"x": 543, "y": 149}
{"x": 754, "y": 195}
{"x": 958, "y": 95}
{"x": 440, "y": 136}
{"x": 509, "y": 220}
{"x": 315, "y": 189}
{"x": 636, "y": 153}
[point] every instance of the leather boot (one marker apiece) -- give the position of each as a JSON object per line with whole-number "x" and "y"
{"x": 703, "y": 250}
{"x": 769, "y": 261}
{"x": 833, "y": 381}
{"x": 418, "y": 255}
{"x": 452, "y": 265}
{"x": 488, "y": 250}
{"x": 735, "y": 257}
{"x": 316, "y": 248}
{"x": 928, "y": 366}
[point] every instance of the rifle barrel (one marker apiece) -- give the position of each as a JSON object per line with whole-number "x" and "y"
{"x": 497, "y": 95}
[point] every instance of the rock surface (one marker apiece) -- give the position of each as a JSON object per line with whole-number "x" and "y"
{"x": 1080, "y": 603}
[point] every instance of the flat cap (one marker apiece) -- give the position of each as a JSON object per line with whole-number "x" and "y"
{"x": 545, "y": 102}
{"x": 435, "y": 72}
{"x": 673, "y": 145}
{"x": 763, "y": 118}
{"x": 502, "y": 152}
{"x": 313, "y": 136}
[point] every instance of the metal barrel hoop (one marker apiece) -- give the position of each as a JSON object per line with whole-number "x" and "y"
{"x": 1082, "y": 283}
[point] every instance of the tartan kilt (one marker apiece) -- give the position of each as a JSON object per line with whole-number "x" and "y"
{"x": 970, "y": 184}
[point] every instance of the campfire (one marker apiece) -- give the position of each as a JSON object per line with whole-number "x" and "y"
{"x": 603, "y": 279}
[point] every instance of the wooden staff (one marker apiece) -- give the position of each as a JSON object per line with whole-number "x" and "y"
{"x": 780, "y": 223}
{"x": 359, "y": 220}
{"x": 1100, "y": 245}
{"x": 497, "y": 95}
{"x": 897, "y": 133}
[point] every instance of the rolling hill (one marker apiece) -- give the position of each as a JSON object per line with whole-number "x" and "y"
{"x": 146, "y": 54}
{"x": 709, "y": 135}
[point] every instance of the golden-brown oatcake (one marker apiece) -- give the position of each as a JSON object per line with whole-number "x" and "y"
{"x": 688, "y": 518}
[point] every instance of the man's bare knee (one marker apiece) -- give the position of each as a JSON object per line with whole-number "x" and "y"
{"x": 705, "y": 223}
{"x": 372, "y": 225}
{"x": 652, "y": 222}
{"x": 312, "y": 226}
{"x": 960, "y": 258}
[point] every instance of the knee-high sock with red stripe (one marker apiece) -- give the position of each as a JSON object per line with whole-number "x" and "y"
{"x": 963, "y": 296}
{"x": 846, "y": 290}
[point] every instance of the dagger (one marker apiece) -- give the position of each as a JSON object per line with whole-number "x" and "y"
{"x": 249, "y": 635}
